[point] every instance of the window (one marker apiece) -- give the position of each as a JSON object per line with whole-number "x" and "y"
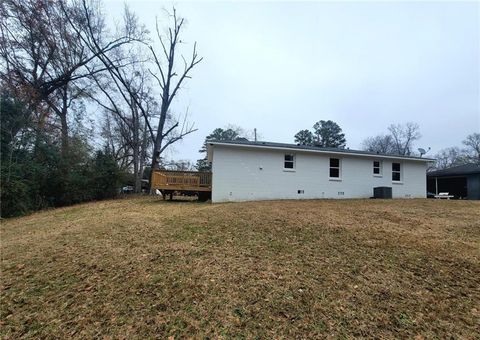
{"x": 396, "y": 172}
{"x": 289, "y": 162}
{"x": 377, "y": 168}
{"x": 334, "y": 168}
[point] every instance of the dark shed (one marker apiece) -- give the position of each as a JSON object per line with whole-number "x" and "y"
{"x": 461, "y": 181}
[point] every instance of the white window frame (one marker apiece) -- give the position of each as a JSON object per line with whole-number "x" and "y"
{"x": 293, "y": 161}
{"x": 380, "y": 168}
{"x": 339, "y": 178}
{"x": 400, "y": 172}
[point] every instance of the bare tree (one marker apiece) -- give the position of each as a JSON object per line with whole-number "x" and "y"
{"x": 45, "y": 54}
{"x": 170, "y": 83}
{"x": 169, "y": 128}
{"x": 129, "y": 106}
{"x": 455, "y": 156}
{"x": 180, "y": 165}
{"x": 449, "y": 157}
{"x": 472, "y": 150}
{"x": 380, "y": 144}
{"x": 404, "y": 136}
{"x": 400, "y": 140}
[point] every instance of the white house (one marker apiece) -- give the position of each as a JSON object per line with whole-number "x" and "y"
{"x": 244, "y": 171}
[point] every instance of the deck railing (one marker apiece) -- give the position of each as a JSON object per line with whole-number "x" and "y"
{"x": 168, "y": 179}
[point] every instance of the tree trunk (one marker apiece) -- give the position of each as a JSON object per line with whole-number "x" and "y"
{"x": 157, "y": 146}
{"x": 136, "y": 153}
{"x": 62, "y": 113}
{"x": 156, "y": 149}
{"x": 64, "y": 128}
{"x": 143, "y": 152}
{"x": 161, "y": 124}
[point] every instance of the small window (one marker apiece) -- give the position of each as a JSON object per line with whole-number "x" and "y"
{"x": 377, "y": 168}
{"x": 396, "y": 172}
{"x": 289, "y": 162}
{"x": 334, "y": 168}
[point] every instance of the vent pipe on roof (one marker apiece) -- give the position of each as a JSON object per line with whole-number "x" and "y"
{"x": 255, "y": 133}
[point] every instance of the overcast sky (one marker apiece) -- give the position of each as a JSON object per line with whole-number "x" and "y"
{"x": 282, "y": 66}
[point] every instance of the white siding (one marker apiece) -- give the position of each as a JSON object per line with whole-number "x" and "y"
{"x": 242, "y": 174}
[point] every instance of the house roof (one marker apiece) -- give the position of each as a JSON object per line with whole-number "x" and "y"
{"x": 304, "y": 148}
{"x": 466, "y": 169}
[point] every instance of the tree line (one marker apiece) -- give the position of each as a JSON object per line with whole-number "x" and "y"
{"x": 469, "y": 153}
{"x": 399, "y": 140}
{"x": 81, "y": 99}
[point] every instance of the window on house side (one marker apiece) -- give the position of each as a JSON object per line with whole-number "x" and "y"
{"x": 334, "y": 168}
{"x": 377, "y": 168}
{"x": 289, "y": 162}
{"x": 396, "y": 172}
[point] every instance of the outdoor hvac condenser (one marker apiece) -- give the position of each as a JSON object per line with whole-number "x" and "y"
{"x": 382, "y": 192}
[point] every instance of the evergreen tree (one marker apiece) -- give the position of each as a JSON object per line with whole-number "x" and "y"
{"x": 304, "y": 137}
{"x": 219, "y": 134}
{"x": 32, "y": 170}
{"x": 328, "y": 134}
{"x": 106, "y": 175}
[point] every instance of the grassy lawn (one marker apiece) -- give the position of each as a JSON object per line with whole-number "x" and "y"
{"x": 144, "y": 268}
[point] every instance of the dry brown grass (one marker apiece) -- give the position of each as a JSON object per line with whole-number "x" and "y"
{"x": 146, "y": 268}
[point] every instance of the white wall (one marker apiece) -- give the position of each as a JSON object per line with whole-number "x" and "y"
{"x": 241, "y": 174}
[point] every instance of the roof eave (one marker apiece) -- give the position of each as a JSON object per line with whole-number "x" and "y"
{"x": 428, "y": 160}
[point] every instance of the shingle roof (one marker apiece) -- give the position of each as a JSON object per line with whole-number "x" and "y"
{"x": 465, "y": 169}
{"x": 313, "y": 149}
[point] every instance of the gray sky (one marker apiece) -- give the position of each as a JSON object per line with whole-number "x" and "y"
{"x": 282, "y": 66}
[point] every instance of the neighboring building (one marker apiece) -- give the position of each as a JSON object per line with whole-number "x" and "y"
{"x": 244, "y": 171}
{"x": 461, "y": 181}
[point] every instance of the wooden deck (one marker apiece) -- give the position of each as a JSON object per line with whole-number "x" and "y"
{"x": 167, "y": 180}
